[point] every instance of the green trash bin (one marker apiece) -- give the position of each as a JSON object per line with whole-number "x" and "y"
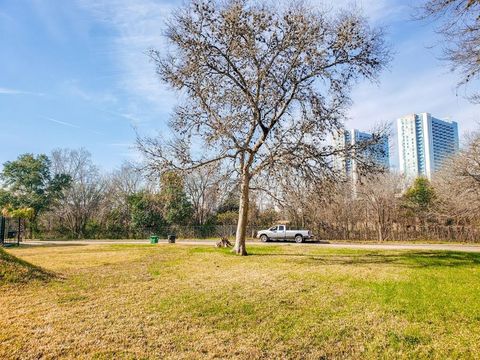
{"x": 154, "y": 239}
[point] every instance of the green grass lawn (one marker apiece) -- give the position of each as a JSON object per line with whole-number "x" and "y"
{"x": 285, "y": 301}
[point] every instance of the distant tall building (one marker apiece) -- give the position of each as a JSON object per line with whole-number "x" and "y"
{"x": 348, "y": 164}
{"x": 424, "y": 143}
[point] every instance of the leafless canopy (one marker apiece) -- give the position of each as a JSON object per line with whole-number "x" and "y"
{"x": 461, "y": 30}
{"x": 261, "y": 88}
{"x": 82, "y": 199}
{"x": 458, "y": 183}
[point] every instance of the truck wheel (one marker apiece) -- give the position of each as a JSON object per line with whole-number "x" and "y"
{"x": 264, "y": 238}
{"x": 298, "y": 239}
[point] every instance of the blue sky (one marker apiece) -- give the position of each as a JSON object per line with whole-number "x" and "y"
{"x": 73, "y": 73}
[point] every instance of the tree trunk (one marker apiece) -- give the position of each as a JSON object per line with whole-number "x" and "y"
{"x": 239, "y": 247}
{"x": 380, "y": 232}
{"x": 380, "y": 226}
{"x": 33, "y": 225}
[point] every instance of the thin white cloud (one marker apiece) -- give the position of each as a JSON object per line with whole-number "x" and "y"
{"x": 414, "y": 84}
{"x": 76, "y": 90}
{"x": 9, "y": 91}
{"x": 133, "y": 119}
{"x": 139, "y": 25}
{"x": 68, "y": 124}
{"x": 432, "y": 92}
{"x": 64, "y": 123}
{"x": 125, "y": 145}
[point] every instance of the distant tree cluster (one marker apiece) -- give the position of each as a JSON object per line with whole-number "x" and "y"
{"x": 388, "y": 207}
{"x": 30, "y": 187}
{"x": 65, "y": 195}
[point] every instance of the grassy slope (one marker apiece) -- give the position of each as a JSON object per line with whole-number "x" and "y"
{"x": 15, "y": 270}
{"x": 282, "y": 302}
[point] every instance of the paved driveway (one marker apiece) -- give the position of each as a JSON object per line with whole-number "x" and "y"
{"x": 332, "y": 245}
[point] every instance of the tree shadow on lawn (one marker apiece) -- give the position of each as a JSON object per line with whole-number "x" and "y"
{"x": 16, "y": 270}
{"x": 419, "y": 259}
{"x": 49, "y": 245}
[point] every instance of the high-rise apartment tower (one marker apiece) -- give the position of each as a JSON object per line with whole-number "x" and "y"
{"x": 379, "y": 152}
{"x": 424, "y": 143}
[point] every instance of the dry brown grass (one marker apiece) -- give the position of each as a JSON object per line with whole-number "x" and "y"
{"x": 14, "y": 270}
{"x": 295, "y": 302}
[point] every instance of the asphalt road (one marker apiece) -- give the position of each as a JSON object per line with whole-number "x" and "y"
{"x": 327, "y": 245}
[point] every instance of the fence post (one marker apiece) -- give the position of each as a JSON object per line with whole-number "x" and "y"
{"x": 19, "y": 231}
{"x": 2, "y": 230}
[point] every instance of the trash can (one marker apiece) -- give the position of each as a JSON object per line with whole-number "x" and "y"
{"x": 154, "y": 239}
{"x": 171, "y": 239}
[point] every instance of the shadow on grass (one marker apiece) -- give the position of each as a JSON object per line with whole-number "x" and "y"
{"x": 14, "y": 270}
{"x": 36, "y": 246}
{"x": 421, "y": 259}
{"x": 279, "y": 242}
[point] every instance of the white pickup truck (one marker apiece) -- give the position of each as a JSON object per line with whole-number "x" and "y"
{"x": 280, "y": 232}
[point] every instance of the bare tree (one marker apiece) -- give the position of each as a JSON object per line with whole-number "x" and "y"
{"x": 380, "y": 193}
{"x": 203, "y": 187}
{"x": 261, "y": 89}
{"x": 297, "y": 197}
{"x": 461, "y": 31}
{"x": 458, "y": 184}
{"x": 128, "y": 179}
{"x": 82, "y": 199}
{"x": 122, "y": 183}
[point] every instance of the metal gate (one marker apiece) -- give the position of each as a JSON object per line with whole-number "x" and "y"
{"x": 11, "y": 231}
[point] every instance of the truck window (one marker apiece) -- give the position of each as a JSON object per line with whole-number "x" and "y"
{"x": 281, "y": 228}
{"x": 273, "y": 228}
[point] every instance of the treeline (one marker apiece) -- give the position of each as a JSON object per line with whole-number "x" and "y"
{"x": 385, "y": 208}
{"x": 389, "y": 207}
{"x": 65, "y": 195}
